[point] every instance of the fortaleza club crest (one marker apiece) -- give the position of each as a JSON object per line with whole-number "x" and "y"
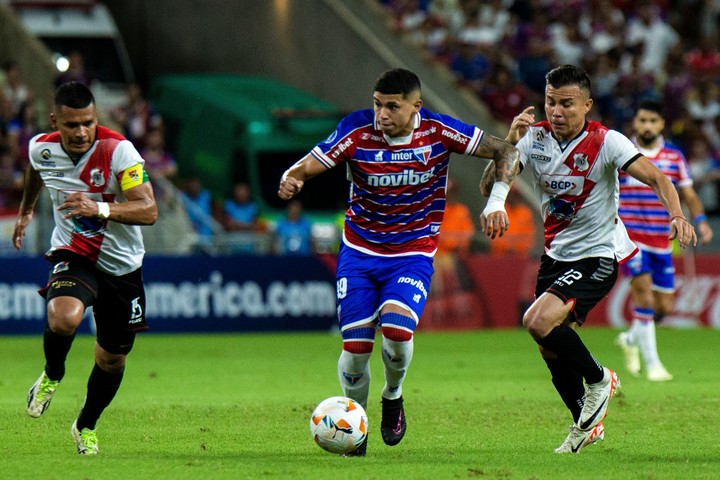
{"x": 581, "y": 161}
{"x": 96, "y": 177}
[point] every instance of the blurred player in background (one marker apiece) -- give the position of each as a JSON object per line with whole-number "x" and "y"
{"x": 100, "y": 194}
{"x": 397, "y": 156}
{"x": 574, "y": 165}
{"x": 651, "y": 271}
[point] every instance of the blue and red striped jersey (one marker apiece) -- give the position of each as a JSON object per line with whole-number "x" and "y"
{"x": 397, "y": 185}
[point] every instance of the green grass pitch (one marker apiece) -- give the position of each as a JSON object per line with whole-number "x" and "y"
{"x": 480, "y": 405}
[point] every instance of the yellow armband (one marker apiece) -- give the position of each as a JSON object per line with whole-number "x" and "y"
{"x": 132, "y": 177}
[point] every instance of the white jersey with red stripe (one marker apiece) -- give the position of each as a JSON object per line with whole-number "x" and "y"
{"x": 646, "y": 219}
{"x": 397, "y": 192}
{"x": 110, "y": 166}
{"x": 577, "y": 187}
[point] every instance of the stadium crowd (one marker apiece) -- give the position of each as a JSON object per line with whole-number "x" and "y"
{"x": 633, "y": 51}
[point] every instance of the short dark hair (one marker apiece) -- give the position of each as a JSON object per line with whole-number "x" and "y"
{"x": 397, "y": 81}
{"x": 568, "y": 75}
{"x": 652, "y": 105}
{"x": 74, "y": 95}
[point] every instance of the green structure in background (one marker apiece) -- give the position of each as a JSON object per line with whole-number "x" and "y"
{"x": 229, "y": 128}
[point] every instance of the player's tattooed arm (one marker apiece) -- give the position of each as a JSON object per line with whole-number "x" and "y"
{"x": 505, "y": 162}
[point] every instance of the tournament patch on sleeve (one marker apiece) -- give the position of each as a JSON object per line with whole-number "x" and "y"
{"x": 132, "y": 177}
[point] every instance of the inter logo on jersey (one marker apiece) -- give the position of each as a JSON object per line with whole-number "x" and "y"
{"x": 46, "y": 153}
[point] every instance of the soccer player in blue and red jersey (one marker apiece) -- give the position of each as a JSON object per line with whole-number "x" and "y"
{"x": 646, "y": 220}
{"x": 397, "y": 157}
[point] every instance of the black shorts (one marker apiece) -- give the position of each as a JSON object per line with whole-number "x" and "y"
{"x": 118, "y": 301}
{"x": 584, "y": 282}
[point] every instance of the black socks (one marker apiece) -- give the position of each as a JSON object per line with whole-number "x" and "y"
{"x": 56, "y": 350}
{"x": 567, "y": 345}
{"x": 101, "y": 389}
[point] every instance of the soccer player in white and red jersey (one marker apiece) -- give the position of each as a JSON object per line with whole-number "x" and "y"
{"x": 100, "y": 194}
{"x": 574, "y": 167}
{"x": 652, "y": 272}
{"x": 397, "y": 158}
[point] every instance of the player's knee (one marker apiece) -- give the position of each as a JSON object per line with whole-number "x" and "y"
{"x": 537, "y": 325}
{"x": 65, "y": 316}
{"x": 391, "y": 332}
{"x": 113, "y": 364}
{"x": 397, "y": 327}
{"x": 358, "y": 347}
{"x": 358, "y": 340}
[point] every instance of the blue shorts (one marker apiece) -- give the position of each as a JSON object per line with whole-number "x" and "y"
{"x": 658, "y": 265}
{"x": 365, "y": 283}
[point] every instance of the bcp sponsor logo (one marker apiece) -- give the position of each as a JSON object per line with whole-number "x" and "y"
{"x": 562, "y": 184}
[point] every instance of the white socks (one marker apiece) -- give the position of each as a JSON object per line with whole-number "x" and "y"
{"x": 396, "y": 357}
{"x": 642, "y": 334}
{"x": 354, "y": 375}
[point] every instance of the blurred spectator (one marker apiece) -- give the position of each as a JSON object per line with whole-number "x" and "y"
{"x": 198, "y": 204}
{"x": 485, "y": 25}
{"x": 505, "y": 96}
{"x": 11, "y": 182}
{"x": 677, "y": 84}
{"x": 655, "y": 37}
{"x": 76, "y": 71}
{"x": 448, "y": 13}
{"x": 519, "y": 239}
{"x": 408, "y": 14}
{"x": 470, "y": 65}
{"x": 136, "y": 116}
{"x": 603, "y": 25}
{"x": 703, "y": 108}
{"x": 241, "y": 212}
{"x": 705, "y": 170}
{"x": 6, "y": 117}
{"x": 293, "y": 233}
{"x": 633, "y": 87}
{"x": 533, "y": 66}
{"x": 20, "y": 130}
{"x": 704, "y": 60}
{"x": 159, "y": 163}
{"x": 605, "y": 77}
{"x": 568, "y": 44}
{"x": 14, "y": 89}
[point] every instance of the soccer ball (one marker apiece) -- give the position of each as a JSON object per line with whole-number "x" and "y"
{"x": 339, "y": 425}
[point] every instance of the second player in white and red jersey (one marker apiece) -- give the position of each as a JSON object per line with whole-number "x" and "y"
{"x": 111, "y": 166}
{"x": 576, "y": 185}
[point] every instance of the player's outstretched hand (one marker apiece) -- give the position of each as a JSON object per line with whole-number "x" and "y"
{"x": 289, "y": 187}
{"x": 495, "y": 224}
{"x": 681, "y": 229}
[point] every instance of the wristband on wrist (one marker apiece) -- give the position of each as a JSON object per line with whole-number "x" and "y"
{"x": 103, "y": 210}
{"x": 701, "y": 218}
{"x": 496, "y": 200}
